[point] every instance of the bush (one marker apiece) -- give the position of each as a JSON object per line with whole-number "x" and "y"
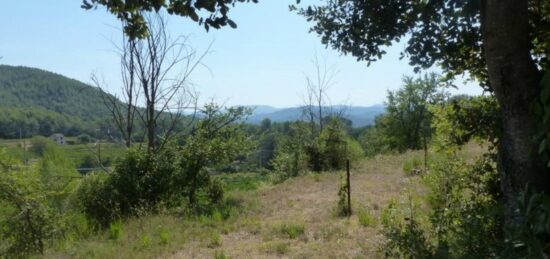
{"x": 115, "y": 230}
{"x": 366, "y": 219}
{"x": 99, "y": 199}
{"x": 39, "y": 144}
{"x": 405, "y": 238}
{"x": 140, "y": 182}
{"x": 466, "y": 216}
{"x": 215, "y": 191}
{"x": 36, "y": 205}
{"x": 84, "y": 139}
{"x": 342, "y": 209}
{"x": 88, "y": 161}
{"x": 215, "y": 240}
{"x": 531, "y": 238}
{"x": 463, "y": 220}
{"x": 412, "y": 166}
{"x": 291, "y": 231}
{"x": 26, "y": 220}
{"x": 336, "y": 147}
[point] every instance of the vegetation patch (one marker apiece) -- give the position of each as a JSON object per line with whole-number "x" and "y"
{"x": 290, "y": 230}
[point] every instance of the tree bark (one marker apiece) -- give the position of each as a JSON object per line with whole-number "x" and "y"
{"x": 515, "y": 79}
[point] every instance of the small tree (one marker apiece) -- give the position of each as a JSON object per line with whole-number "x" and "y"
{"x": 407, "y": 122}
{"x": 214, "y": 140}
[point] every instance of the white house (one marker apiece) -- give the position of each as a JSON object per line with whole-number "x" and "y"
{"x": 58, "y": 138}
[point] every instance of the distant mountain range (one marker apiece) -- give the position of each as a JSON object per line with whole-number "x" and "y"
{"x": 359, "y": 115}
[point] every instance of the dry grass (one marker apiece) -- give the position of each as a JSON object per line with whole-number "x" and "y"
{"x": 294, "y": 219}
{"x": 309, "y": 201}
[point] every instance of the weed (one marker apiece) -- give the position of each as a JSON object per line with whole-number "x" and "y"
{"x": 217, "y": 216}
{"x": 412, "y": 165}
{"x": 366, "y": 219}
{"x": 115, "y": 230}
{"x": 215, "y": 241}
{"x": 145, "y": 241}
{"x": 220, "y": 255}
{"x": 279, "y": 248}
{"x": 291, "y": 231}
{"x": 164, "y": 237}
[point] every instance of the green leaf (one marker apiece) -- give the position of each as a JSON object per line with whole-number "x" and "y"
{"x": 232, "y": 24}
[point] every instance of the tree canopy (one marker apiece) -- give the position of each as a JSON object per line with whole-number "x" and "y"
{"x": 209, "y": 13}
{"x": 444, "y": 33}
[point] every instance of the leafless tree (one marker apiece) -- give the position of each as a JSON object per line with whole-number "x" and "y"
{"x": 124, "y": 111}
{"x": 155, "y": 74}
{"x": 163, "y": 68}
{"x": 316, "y": 100}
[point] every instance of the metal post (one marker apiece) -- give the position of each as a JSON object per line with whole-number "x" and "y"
{"x": 349, "y": 187}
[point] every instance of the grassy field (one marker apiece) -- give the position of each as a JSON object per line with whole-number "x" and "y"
{"x": 293, "y": 219}
{"x": 81, "y": 155}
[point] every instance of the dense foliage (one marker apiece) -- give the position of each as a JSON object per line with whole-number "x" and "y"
{"x": 174, "y": 175}
{"x": 37, "y": 203}
{"x": 36, "y": 102}
{"x": 407, "y": 122}
{"x": 465, "y": 219}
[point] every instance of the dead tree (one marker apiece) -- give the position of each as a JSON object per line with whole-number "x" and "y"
{"x": 316, "y": 99}
{"x": 163, "y": 67}
{"x": 156, "y": 87}
{"x": 123, "y": 111}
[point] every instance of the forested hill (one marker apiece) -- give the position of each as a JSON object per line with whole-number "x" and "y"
{"x": 41, "y": 102}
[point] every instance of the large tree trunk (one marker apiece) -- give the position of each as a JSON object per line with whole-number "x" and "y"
{"x": 514, "y": 78}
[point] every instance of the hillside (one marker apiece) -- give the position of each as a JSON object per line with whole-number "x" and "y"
{"x": 42, "y": 102}
{"x": 360, "y": 116}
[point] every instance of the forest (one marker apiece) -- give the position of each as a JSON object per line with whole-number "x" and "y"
{"x": 152, "y": 173}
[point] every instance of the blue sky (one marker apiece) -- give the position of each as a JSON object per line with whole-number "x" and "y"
{"x": 263, "y": 61}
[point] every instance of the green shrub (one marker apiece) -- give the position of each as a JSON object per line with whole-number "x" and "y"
{"x": 463, "y": 219}
{"x": 366, "y": 219}
{"x": 342, "y": 209}
{"x": 412, "y": 165}
{"x": 465, "y": 214}
{"x": 115, "y": 230}
{"x": 405, "y": 238}
{"x": 215, "y": 190}
{"x": 36, "y": 204}
{"x": 277, "y": 247}
{"x": 39, "y": 144}
{"x": 164, "y": 237}
{"x": 531, "y": 238}
{"x": 291, "y": 231}
{"x": 99, "y": 199}
{"x": 336, "y": 146}
{"x": 215, "y": 240}
{"x": 291, "y": 158}
{"x": 219, "y": 254}
{"x": 84, "y": 139}
{"x": 145, "y": 241}
{"x": 26, "y": 220}
{"x": 141, "y": 182}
